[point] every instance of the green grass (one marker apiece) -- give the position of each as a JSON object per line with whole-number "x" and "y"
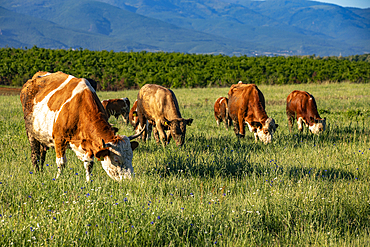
{"x": 300, "y": 190}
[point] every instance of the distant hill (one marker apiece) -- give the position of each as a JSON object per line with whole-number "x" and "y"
{"x": 18, "y": 30}
{"x": 294, "y": 27}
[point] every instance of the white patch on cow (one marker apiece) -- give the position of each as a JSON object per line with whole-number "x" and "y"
{"x": 218, "y": 122}
{"x": 317, "y": 128}
{"x": 48, "y": 73}
{"x": 249, "y": 126}
{"x": 265, "y": 138}
{"x": 310, "y": 98}
{"x": 269, "y": 127}
{"x": 222, "y": 100}
{"x": 240, "y": 82}
{"x": 80, "y": 153}
{"x": 300, "y": 123}
{"x": 44, "y": 119}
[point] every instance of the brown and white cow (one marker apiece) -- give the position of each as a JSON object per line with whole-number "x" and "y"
{"x": 302, "y": 106}
{"x": 247, "y": 105}
{"x": 117, "y": 107}
{"x": 222, "y": 112}
{"x": 63, "y": 111}
{"x": 158, "y": 105}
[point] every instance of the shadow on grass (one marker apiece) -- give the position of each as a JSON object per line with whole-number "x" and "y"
{"x": 330, "y": 174}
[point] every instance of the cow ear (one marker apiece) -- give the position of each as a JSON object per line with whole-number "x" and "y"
{"x": 188, "y": 121}
{"x": 134, "y": 145}
{"x": 102, "y": 153}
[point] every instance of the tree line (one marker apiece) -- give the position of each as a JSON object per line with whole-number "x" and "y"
{"x": 128, "y": 70}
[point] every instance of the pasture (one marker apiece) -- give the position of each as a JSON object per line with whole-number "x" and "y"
{"x": 300, "y": 190}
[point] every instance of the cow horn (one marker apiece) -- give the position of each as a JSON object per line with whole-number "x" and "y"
{"x": 137, "y": 135}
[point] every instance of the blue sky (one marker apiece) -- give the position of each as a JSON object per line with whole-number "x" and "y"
{"x": 349, "y": 3}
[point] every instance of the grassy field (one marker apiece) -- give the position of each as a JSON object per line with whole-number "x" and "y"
{"x": 300, "y": 190}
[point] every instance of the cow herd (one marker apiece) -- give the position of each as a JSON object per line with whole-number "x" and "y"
{"x": 246, "y": 105}
{"x": 62, "y": 111}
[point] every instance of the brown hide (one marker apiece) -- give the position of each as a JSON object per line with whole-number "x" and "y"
{"x": 117, "y": 107}
{"x": 221, "y": 112}
{"x": 301, "y": 104}
{"x": 132, "y": 116}
{"x": 159, "y": 106}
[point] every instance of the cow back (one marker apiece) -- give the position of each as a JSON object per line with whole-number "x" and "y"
{"x": 157, "y": 102}
{"x": 302, "y": 103}
{"x": 248, "y": 99}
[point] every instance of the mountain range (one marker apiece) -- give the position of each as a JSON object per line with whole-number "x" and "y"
{"x": 230, "y": 27}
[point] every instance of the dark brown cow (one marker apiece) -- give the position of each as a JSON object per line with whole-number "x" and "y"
{"x": 63, "y": 111}
{"x": 247, "y": 105}
{"x": 159, "y": 106}
{"x": 302, "y": 106}
{"x": 222, "y": 112}
{"x": 117, "y": 107}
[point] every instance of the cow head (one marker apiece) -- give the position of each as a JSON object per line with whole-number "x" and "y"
{"x": 265, "y": 133}
{"x": 318, "y": 125}
{"x": 177, "y": 128}
{"x": 116, "y": 158}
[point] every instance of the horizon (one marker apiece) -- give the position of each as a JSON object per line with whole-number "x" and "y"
{"x": 363, "y": 4}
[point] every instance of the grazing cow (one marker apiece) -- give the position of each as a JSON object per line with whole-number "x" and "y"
{"x": 222, "y": 112}
{"x": 302, "y": 106}
{"x": 63, "y": 111}
{"x": 247, "y": 105}
{"x": 117, "y": 107}
{"x": 158, "y": 106}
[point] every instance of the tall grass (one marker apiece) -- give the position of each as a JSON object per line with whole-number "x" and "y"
{"x": 300, "y": 190}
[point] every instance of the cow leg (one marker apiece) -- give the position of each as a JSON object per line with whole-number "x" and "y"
{"x": 43, "y": 149}
{"x": 236, "y": 128}
{"x": 300, "y": 124}
{"x": 255, "y": 137}
{"x": 35, "y": 151}
{"x": 156, "y": 134}
{"x": 229, "y": 122}
{"x": 225, "y": 123}
{"x": 125, "y": 118}
{"x": 61, "y": 160}
{"x": 88, "y": 167}
{"x": 162, "y": 134}
{"x": 241, "y": 126}
{"x": 149, "y": 127}
{"x": 143, "y": 122}
{"x": 61, "y": 163}
{"x": 169, "y": 136}
{"x": 290, "y": 120}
